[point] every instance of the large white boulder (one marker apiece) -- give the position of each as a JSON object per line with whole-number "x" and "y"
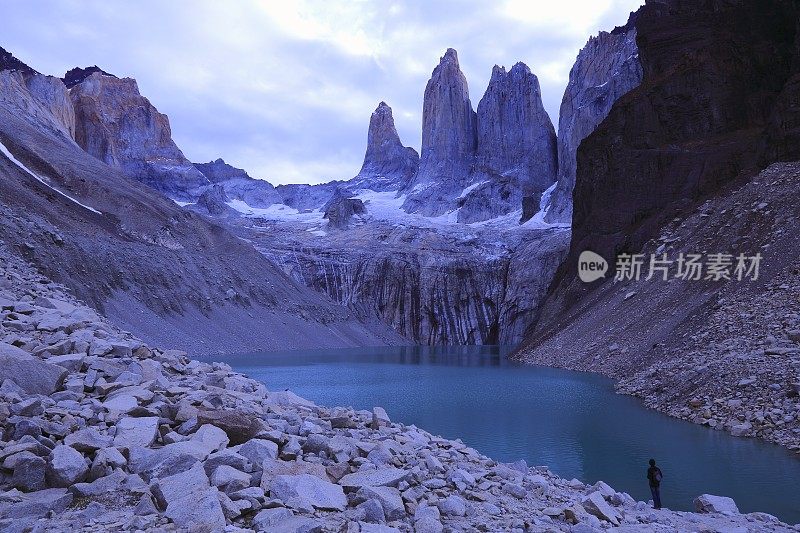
{"x": 708, "y": 503}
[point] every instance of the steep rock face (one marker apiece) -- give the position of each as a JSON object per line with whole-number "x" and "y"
{"x": 516, "y": 145}
{"x": 449, "y": 140}
{"x": 54, "y": 96}
{"x": 43, "y": 97}
{"x": 388, "y": 165}
{"x": 718, "y": 101}
{"x": 118, "y": 126}
{"x": 22, "y": 85}
{"x": 606, "y": 68}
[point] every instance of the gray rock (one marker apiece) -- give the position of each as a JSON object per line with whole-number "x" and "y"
{"x": 29, "y": 473}
{"x": 172, "y": 488}
{"x": 379, "y": 477}
{"x": 708, "y": 503}
{"x": 197, "y": 511}
{"x": 67, "y": 467}
{"x": 596, "y": 505}
{"x": 238, "y": 426}
{"x": 341, "y": 208}
{"x": 134, "y": 431}
{"x": 428, "y": 525}
{"x": 210, "y": 437}
{"x": 453, "y": 506}
{"x": 37, "y": 504}
{"x": 31, "y": 374}
{"x": 230, "y": 479}
{"x": 88, "y": 440}
{"x": 258, "y": 450}
{"x": 390, "y": 499}
{"x": 161, "y": 462}
{"x": 370, "y": 511}
{"x": 317, "y": 492}
{"x": 146, "y": 506}
{"x": 266, "y": 519}
{"x": 379, "y": 418}
{"x": 117, "y": 481}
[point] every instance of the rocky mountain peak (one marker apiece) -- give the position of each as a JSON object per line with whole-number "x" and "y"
{"x": 219, "y": 171}
{"x": 77, "y": 75}
{"x": 449, "y": 139}
{"x": 450, "y": 57}
{"x": 387, "y": 163}
{"x": 516, "y": 142}
{"x": 9, "y": 62}
{"x": 448, "y": 121}
{"x": 117, "y": 125}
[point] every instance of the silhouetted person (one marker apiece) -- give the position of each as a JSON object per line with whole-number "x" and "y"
{"x": 654, "y": 476}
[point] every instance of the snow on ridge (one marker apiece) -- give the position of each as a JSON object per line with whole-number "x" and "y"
{"x": 471, "y": 188}
{"x": 18, "y": 163}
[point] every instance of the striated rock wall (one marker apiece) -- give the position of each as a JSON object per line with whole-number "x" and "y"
{"x": 118, "y": 126}
{"x": 427, "y": 286}
{"x": 606, "y": 68}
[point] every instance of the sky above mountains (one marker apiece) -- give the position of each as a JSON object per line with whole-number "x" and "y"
{"x": 285, "y": 89}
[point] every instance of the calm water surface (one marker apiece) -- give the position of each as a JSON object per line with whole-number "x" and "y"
{"x": 572, "y": 422}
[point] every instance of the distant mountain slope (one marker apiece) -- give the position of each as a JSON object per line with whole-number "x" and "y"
{"x": 165, "y": 273}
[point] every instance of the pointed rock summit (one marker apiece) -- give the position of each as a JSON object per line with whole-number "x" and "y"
{"x": 388, "y": 165}
{"x": 449, "y": 127}
{"x": 449, "y": 139}
{"x": 516, "y": 145}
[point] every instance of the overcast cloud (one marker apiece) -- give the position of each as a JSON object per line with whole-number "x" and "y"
{"x": 285, "y": 89}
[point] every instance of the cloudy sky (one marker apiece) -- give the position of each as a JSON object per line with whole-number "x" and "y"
{"x": 285, "y": 89}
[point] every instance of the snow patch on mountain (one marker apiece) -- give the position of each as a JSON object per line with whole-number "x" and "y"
{"x": 41, "y": 180}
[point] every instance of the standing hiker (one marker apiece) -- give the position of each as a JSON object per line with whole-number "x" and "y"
{"x": 654, "y": 477}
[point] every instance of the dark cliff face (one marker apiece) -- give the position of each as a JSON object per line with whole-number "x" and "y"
{"x": 718, "y": 101}
{"x": 74, "y": 76}
{"x": 388, "y": 165}
{"x": 9, "y": 62}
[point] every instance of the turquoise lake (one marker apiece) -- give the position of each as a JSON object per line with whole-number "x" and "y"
{"x": 572, "y": 422}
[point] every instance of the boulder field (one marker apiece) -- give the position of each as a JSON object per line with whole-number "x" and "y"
{"x": 101, "y": 432}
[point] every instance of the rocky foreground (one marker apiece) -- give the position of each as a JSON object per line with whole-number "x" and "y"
{"x": 103, "y": 433}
